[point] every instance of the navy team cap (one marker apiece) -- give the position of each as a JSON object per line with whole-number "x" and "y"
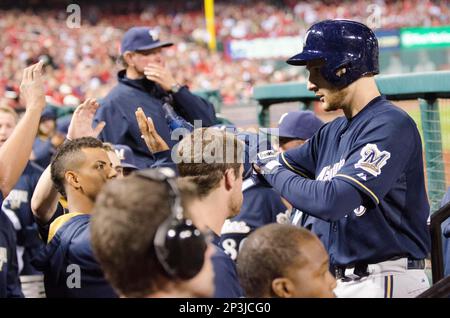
{"x": 299, "y": 125}
{"x": 140, "y": 39}
{"x": 125, "y": 155}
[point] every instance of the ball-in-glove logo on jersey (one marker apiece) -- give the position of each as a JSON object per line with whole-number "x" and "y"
{"x": 372, "y": 159}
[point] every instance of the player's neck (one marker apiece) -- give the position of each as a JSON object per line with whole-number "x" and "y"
{"x": 133, "y": 74}
{"x": 361, "y": 92}
{"x": 77, "y": 202}
{"x": 214, "y": 208}
{"x": 171, "y": 294}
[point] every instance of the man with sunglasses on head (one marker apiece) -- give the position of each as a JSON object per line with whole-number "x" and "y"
{"x": 146, "y": 82}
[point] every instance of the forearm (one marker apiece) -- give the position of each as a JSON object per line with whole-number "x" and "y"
{"x": 327, "y": 200}
{"x": 45, "y": 198}
{"x": 15, "y": 152}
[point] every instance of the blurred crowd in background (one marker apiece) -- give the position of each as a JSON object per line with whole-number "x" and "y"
{"x": 82, "y": 62}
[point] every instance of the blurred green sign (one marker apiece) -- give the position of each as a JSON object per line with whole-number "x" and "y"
{"x": 425, "y": 37}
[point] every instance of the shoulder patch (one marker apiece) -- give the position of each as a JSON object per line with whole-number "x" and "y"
{"x": 372, "y": 159}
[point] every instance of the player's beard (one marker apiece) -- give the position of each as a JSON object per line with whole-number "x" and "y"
{"x": 334, "y": 100}
{"x": 235, "y": 204}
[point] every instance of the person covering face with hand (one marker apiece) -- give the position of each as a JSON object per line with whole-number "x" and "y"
{"x": 148, "y": 83}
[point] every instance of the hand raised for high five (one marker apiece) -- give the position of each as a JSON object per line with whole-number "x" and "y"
{"x": 82, "y": 119}
{"x": 152, "y": 139}
{"x": 32, "y": 87}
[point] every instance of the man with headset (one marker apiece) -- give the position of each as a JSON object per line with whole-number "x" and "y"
{"x": 164, "y": 260}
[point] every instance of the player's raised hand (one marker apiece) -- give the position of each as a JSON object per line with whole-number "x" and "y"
{"x": 32, "y": 87}
{"x": 152, "y": 139}
{"x": 82, "y": 119}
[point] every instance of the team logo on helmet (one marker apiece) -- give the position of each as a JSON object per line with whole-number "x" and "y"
{"x": 372, "y": 159}
{"x": 304, "y": 41}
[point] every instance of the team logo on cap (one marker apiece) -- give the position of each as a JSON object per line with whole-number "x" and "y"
{"x": 281, "y": 118}
{"x": 372, "y": 159}
{"x": 154, "y": 34}
{"x": 120, "y": 153}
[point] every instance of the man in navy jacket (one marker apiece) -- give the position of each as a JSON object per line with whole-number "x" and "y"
{"x": 146, "y": 82}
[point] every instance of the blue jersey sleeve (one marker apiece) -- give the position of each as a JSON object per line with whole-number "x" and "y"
{"x": 163, "y": 159}
{"x": 302, "y": 160}
{"x": 327, "y": 200}
{"x": 193, "y": 107}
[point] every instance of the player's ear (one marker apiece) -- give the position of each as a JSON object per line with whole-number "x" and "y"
{"x": 283, "y": 287}
{"x": 72, "y": 179}
{"x": 127, "y": 57}
{"x": 229, "y": 178}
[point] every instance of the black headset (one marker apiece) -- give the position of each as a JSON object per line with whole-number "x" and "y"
{"x": 180, "y": 247}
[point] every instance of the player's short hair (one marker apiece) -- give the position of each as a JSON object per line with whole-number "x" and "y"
{"x": 268, "y": 253}
{"x": 68, "y": 157}
{"x": 189, "y": 192}
{"x": 123, "y": 226}
{"x": 205, "y": 164}
{"x": 9, "y": 110}
{"x": 108, "y": 147}
{"x": 121, "y": 62}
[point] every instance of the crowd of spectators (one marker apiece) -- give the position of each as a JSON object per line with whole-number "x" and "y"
{"x": 82, "y": 62}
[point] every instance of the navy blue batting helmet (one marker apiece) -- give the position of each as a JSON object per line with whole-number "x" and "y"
{"x": 341, "y": 44}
